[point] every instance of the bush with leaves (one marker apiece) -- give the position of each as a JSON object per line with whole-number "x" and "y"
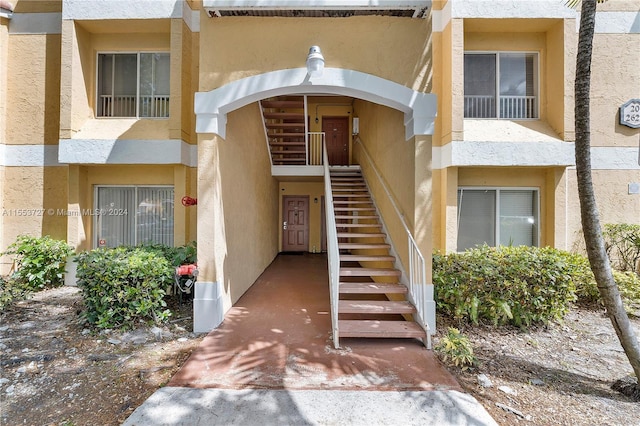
{"x": 124, "y": 286}
{"x": 455, "y": 349}
{"x": 39, "y": 261}
{"x": 622, "y": 242}
{"x": 11, "y": 291}
{"x": 505, "y": 285}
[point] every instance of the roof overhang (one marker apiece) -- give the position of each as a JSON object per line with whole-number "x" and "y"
{"x": 317, "y": 8}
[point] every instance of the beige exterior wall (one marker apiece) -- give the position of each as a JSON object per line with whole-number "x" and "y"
{"x": 391, "y": 48}
{"x": 237, "y": 206}
{"x": 382, "y": 135}
{"x": 32, "y": 198}
{"x": 34, "y": 92}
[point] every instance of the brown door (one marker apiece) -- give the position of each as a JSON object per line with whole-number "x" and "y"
{"x": 336, "y": 130}
{"x": 295, "y": 223}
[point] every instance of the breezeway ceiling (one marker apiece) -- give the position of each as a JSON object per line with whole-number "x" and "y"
{"x": 317, "y": 8}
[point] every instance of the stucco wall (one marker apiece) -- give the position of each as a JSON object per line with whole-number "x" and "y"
{"x": 32, "y": 198}
{"x": 615, "y": 79}
{"x": 237, "y": 206}
{"x": 391, "y": 48}
{"x": 381, "y": 133}
{"x": 615, "y": 204}
{"x": 33, "y": 97}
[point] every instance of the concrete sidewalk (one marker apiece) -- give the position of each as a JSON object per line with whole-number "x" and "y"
{"x": 185, "y": 406}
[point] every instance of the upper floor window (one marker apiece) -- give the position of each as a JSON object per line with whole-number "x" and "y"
{"x": 497, "y": 216}
{"x": 133, "y": 85}
{"x": 501, "y": 85}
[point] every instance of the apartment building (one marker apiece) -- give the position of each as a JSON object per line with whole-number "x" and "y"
{"x": 373, "y": 131}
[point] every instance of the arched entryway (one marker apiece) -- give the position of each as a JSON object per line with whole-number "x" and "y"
{"x": 216, "y": 259}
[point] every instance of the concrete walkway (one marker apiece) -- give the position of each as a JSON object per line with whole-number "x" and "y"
{"x": 182, "y": 406}
{"x": 272, "y": 362}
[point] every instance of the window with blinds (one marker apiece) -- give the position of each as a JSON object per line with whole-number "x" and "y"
{"x": 506, "y": 216}
{"x": 132, "y": 215}
{"x": 133, "y": 85}
{"x": 501, "y": 85}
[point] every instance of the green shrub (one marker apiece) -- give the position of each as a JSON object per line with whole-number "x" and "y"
{"x": 505, "y": 285}
{"x": 11, "y": 291}
{"x": 176, "y": 256}
{"x": 455, "y": 349}
{"x": 587, "y": 289}
{"x": 39, "y": 261}
{"x": 124, "y": 286}
{"x": 622, "y": 242}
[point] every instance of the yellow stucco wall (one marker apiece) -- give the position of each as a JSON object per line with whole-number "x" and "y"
{"x": 34, "y": 93}
{"x": 32, "y": 198}
{"x": 391, "y": 48}
{"x": 237, "y": 205}
{"x": 382, "y": 135}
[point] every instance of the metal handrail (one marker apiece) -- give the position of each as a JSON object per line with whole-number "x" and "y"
{"x": 333, "y": 254}
{"x": 417, "y": 271}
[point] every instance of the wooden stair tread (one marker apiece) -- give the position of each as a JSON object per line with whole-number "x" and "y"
{"x": 371, "y": 288}
{"x": 361, "y": 235}
{"x": 362, "y": 246}
{"x": 355, "y": 209}
{"x": 358, "y": 225}
{"x": 284, "y": 125}
{"x": 365, "y": 258}
{"x": 375, "y": 307}
{"x": 368, "y": 217}
{"x": 285, "y": 116}
{"x": 282, "y": 104}
{"x": 382, "y": 329}
{"x": 369, "y": 272}
{"x": 290, "y": 151}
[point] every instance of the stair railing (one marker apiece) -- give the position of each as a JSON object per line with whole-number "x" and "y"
{"x": 333, "y": 253}
{"x": 314, "y": 148}
{"x": 266, "y": 132}
{"x": 417, "y": 271}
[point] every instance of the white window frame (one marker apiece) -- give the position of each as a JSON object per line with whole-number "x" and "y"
{"x": 497, "y": 94}
{"x": 97, "y": 83}
{"x": 496, "y": 224}
{"x": 96, "y": 217}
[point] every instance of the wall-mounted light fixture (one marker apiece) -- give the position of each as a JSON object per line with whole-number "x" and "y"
{"x": 315, "y": 62}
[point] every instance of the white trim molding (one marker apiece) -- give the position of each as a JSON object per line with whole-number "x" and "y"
{"x": 208, "y": 306}
{"x": 513, "y": 154}
{"x": 191, "y": 17}
{"x": 127, "y": 151}
{"x": 614, "y": 158}
{"x": 616, "y": 23}
{"x": 315, "y": 4}
{"x": 35, "y": 23}
{"x": 29, "y": 155}
{"x": 212, "y": 107}
{"x": 530, "y": 154}
{"x": 137, "y": 9}
{"x": 511, "y": 9}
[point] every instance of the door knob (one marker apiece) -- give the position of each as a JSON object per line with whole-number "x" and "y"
{"x": 284, "y": 225}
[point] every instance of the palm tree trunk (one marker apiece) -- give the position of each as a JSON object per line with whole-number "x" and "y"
{"x": 588, "y": 209}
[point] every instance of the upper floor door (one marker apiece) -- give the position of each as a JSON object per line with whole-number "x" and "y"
{"x": 336, "y": 130}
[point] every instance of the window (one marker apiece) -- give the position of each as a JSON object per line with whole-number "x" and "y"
{"x": 133, "y": 85}
{"x": 497, "y": 217}
{"x": 501, "y": 85}
{"x": 131, "y": 215}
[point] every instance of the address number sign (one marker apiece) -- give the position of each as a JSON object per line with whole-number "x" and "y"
{"x": 630, "y": 113}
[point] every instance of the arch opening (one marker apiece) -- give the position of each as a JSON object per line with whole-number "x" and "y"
{"x": 212, "y": 107}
